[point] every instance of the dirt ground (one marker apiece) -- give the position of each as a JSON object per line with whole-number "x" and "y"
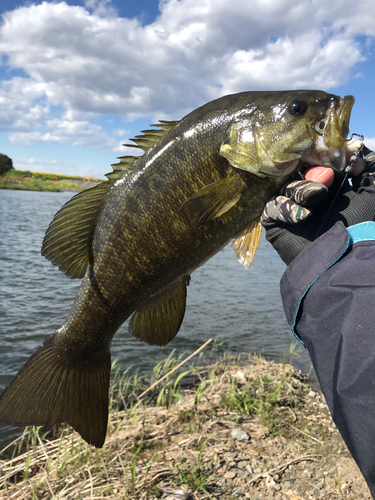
{"x": 252, "y": 430}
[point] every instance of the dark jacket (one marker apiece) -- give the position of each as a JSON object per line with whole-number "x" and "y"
{"x": 328, "y": 293}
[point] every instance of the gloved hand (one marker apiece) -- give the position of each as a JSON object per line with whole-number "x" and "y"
{"x": 298, "y": 215}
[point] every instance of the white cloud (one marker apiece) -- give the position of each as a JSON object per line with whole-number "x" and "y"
{"x": 290, "y": 61}
{"x": 78, "y": 133}
{"x": 101, "y": 7}
{"x": 120, "y": 148}
{"x": 40, "y": 165}
{"x": 121, "y": 132}
{"x": 88, "y": 61}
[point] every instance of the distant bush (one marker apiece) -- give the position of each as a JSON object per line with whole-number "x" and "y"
{"x": 6, "y": 164}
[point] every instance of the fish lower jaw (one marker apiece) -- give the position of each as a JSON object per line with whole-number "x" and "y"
{"x": 335, "y": 159}
{"x": 278, "y": 170}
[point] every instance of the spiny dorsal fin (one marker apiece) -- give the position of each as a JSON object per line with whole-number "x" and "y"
{"x": 246, "y": 243}
{"x": 121, "y": 167}
{"x": 67, "y": 240}
{"x": 151, "y": 137}
{"x": 165, "y": 125}
{"x": 158, "y": 321}
{"x": 144, "y": 142}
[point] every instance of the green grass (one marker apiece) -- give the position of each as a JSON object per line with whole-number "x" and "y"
{"x": 29, "y": 185}
{"x": 40, "y": 181}
{"x": 261, "y": 400}
{"x": 194, "y": 477}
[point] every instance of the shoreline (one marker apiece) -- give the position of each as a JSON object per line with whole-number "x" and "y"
{"x": 41, "y": 181}
{"x": 242, "y": 429}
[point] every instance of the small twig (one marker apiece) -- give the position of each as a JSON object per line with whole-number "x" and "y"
{"x": 277, "y": 469}
{"x": 91, "y": 483}
{"x": 174, "y": 369}
{"x": 12, "y": 443}
{"x": 303, "y": 433}
{"x": 152, "y": 480}
{"x": 49, "y": 486}
{"x": 294, "y": 415}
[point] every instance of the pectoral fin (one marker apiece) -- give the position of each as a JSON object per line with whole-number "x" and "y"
{"x": 158, "y": 321}
{"x": 246, "y": 243}
{"x": 215, "y": 199}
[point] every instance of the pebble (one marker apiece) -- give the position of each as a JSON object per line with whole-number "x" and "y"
{"x": 179, "y": 495}
{"x": 240, "y": 376}
{"x": 240, "y": 435}
{"x": 242, "y": 464}
{"x": 230, "y": 475}
{"x": 270, "y": 481}
{"x": 249, "y": 469}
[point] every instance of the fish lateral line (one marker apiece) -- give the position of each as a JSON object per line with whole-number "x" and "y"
{"x": 94, "y": 283}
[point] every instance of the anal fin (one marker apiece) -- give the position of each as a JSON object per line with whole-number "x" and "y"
{"x": 247, "y": 242}
{"x": 159, "y": 319}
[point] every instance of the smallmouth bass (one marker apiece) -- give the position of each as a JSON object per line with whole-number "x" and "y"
{"x": 136, "y": 239}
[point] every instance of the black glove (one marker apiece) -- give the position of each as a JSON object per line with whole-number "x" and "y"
{"x": 291, "y": 225}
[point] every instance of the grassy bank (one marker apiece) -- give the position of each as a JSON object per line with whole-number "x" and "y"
{"x": 237, "y": 428}
{"x": 41, "y": 181}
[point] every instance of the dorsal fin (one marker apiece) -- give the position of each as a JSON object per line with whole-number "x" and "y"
{"x": 68, "y": 237}
{"x": 67, "y": 240}
{"x": 151, "y": 137}
{"x": 165, "y": 125}
{"x": 146, "y": 141}
{"x": 121, "y": 167}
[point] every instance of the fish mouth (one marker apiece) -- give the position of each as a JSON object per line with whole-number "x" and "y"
{"x": 337, "y": 120}
{"x": 332, "y": 129}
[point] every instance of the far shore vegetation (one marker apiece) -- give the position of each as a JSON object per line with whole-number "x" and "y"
{"x": 42, "y": 181}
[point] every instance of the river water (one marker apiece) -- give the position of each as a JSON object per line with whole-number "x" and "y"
{"x": 241, "y": 307}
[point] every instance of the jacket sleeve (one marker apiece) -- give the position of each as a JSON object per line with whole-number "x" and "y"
{"x": 328, "y": 293}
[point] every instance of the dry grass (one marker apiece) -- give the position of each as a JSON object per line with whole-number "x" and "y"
{"x": 182, "y": 439}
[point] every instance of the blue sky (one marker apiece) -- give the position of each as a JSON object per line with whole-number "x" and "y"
{"x": 79, "y": 78}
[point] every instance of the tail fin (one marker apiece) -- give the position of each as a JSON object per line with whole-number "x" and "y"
{"x": 50, "y": 389}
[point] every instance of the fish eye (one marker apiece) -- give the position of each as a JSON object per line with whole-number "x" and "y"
{"x": 298, "y": 107}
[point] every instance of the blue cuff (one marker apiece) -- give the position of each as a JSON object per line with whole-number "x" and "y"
{"x": 361, "y": 232}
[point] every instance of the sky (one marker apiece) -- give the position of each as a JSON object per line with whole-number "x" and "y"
{"x": 79, "y": 78}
